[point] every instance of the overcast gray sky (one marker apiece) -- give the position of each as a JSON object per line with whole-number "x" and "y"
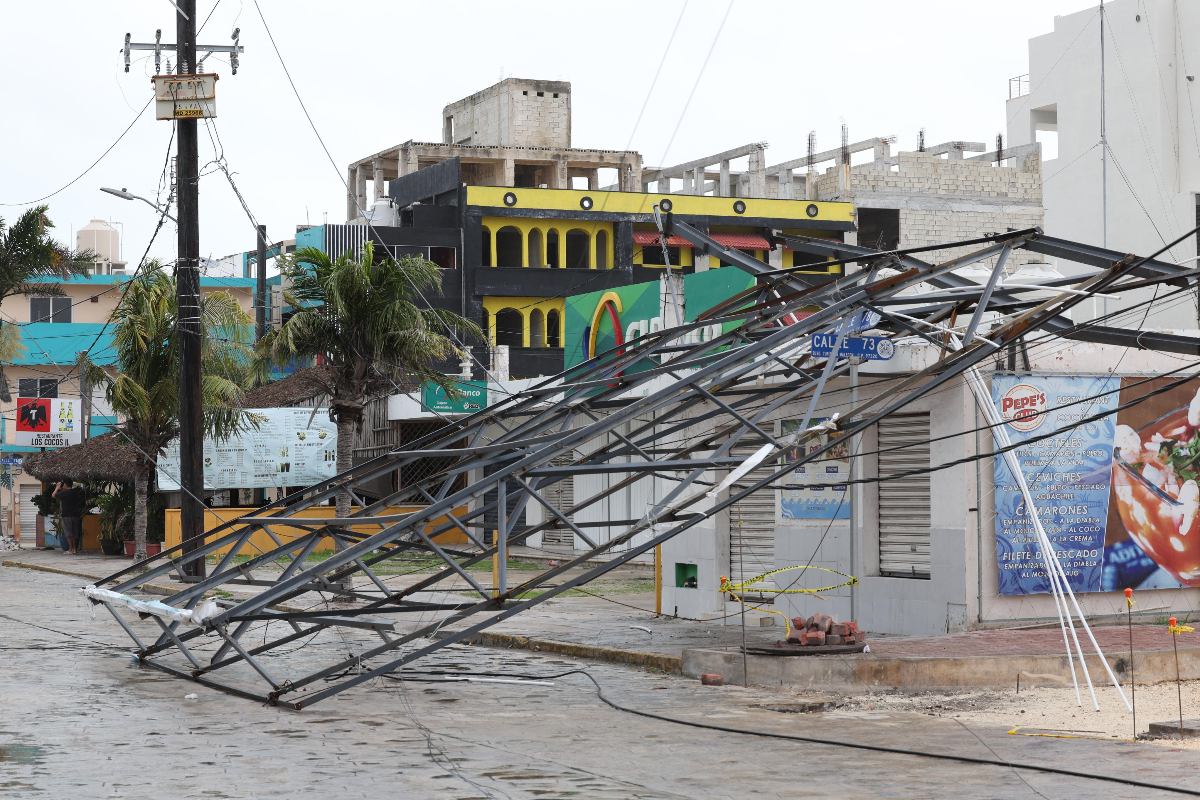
{"x": 376, "y": 74}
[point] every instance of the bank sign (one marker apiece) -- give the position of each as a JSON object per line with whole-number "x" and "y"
{"x": 48, "y": 422}
{"x": 597, "y": 322}
{"x": 473, "y": 397}
{"x": 1116, "y": 493}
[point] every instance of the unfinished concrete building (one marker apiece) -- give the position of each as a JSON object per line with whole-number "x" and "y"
{"x": 516, "y": 133}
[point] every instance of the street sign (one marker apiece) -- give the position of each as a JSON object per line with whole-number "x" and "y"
{"x": 48, "y": 422}
{"x": 868, "y": 348}
{"x": 474, "y": 398}
{"x": 10, "y": 462}
{"x": 185, "y": 96}
{"x": 863, "y": 321}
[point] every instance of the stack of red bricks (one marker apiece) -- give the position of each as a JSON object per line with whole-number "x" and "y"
{"x": 821, "y": 629}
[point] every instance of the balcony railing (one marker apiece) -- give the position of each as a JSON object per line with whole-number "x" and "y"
{"x": 1018, "y": 86}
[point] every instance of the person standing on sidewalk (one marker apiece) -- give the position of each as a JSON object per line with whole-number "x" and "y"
{"x": 71, "y": 499}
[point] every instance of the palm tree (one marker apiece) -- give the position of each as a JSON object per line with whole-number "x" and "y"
{"x": 144, "y": 391}
{"x": 27, "y": 253}
{"x": 360, "y": 318}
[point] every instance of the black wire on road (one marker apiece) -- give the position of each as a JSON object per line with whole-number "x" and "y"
{"x": 992, "y": 762}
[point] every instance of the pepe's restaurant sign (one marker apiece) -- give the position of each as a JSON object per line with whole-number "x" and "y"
{"x": 1023, "y": 407}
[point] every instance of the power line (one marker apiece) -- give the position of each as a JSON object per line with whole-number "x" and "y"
{"x": 75, "y": 180}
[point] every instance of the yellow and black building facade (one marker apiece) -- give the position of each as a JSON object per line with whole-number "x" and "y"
{"x": 512, "y": 255}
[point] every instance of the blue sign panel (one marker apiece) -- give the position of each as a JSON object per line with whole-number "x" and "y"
{"x": 1068, "y": 475}
{"x": 868, "y": 348}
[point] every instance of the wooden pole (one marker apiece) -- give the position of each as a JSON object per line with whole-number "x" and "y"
{"x": 658, "y": 584}
{"x": 1132, "y": 684}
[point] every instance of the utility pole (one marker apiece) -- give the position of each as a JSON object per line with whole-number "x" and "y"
{"x": 260, "y": 292}
{"x": 187, "y": 292}
{"x": 260, "y": 318}
{"x": 1103, "y": 150}
{"x": 184, "y": 100}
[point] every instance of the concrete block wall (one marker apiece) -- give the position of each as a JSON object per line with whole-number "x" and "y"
{"x": 513, "y": 112}
{"x": 946, "y": 199}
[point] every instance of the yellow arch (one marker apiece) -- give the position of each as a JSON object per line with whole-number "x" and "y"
{"x": 616, "y": 300}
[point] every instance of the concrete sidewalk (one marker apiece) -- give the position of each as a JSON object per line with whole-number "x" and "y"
{"x": 623, "y": 628}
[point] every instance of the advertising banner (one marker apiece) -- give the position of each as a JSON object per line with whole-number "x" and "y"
{"x": 48, "y": 422}
{"x": 597, "y": 322}
{"x": 1117, "y": 496}
{"x": 292, "y": 447}
{"x": 800, "y": 498}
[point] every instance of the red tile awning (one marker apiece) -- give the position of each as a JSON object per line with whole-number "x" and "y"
{"x": 651, "y": 237}
{"x": 741, "y": 241}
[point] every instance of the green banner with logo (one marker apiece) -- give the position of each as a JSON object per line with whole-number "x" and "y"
{"x": 472, "y": 399}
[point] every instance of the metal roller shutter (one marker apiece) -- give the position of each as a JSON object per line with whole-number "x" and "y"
{"x": 904, "y": 502}
{"x": 752, "y": 528}
{"x": 562, "y": 496}
{"x": 29, "y": 512}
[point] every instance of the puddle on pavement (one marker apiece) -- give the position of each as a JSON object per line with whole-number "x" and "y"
{"x": 799, "y": 707}
{"x": 21, "y": 754}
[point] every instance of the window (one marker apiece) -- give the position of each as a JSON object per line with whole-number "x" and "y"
{"x": 577, "y": 249}
{"x": 442, "y": 256}
{"x": 510, "y": 327}
{"x": 37, "y": 387}
{"x": 601, "y": 250}
{"x": 879, "y": 228}
{"x": 541, "y": 94}
{"x": 508, "y": 247}
{"x": 49, "y": 309}
{"x": 552, "y": 334}
{"x": 652, "y": 255}
{"x": 552, "y": 249}
{"x": 485, "y": 248}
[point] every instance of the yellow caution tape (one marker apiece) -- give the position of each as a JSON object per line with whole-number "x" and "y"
{"x": 733, "y": 588}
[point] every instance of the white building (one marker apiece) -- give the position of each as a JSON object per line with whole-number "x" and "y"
{"x": 1151, "y": 53}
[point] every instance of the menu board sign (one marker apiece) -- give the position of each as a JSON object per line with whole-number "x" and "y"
{"x": 291, "y": 447}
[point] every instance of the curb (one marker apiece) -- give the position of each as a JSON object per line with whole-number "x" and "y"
{"x": 149, "y": 588}
{"x": 665, "y": 663}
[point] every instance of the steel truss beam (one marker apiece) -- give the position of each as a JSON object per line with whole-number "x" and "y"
{"x": 657, "y": 408}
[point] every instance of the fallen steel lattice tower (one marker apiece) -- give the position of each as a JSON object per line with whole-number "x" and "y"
{"x": 626, "y": 412}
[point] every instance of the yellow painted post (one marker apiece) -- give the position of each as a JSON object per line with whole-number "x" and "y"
{"x": 524, "y": 247}
{"x": 492, "y": 235}
{"x": 592, "y": 249}
{"x": 562, "y": 249}
{"x": 658, "y": 580}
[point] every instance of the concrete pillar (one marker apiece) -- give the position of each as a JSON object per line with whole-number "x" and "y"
{"x": 631, "y": 179}
{"x": 664, "y": 185}
{"x": 351, "y": 209}
{"x": 410, "y": 163}
{"x": 758, "y": 172}
{"x": 955, "y": 153}
{"x": 698, "y": 180}
{"x": 510, "y": 172}
{"x": 593, "y": 176}
{"x": 723, "y": 186}
{"x": 561, "y": 181}
{"x": 687, "y": 183}
{"x": 785, "y": 184}
{"x": 844, "y": 181}
{"x": 882, "y": 150}
{"x": 811, "y": 181}
{"x": 360, "y": 189}
{"x": 377, "y": 180}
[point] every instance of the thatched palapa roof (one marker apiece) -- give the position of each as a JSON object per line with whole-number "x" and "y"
{"x": 106, "y": 458}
